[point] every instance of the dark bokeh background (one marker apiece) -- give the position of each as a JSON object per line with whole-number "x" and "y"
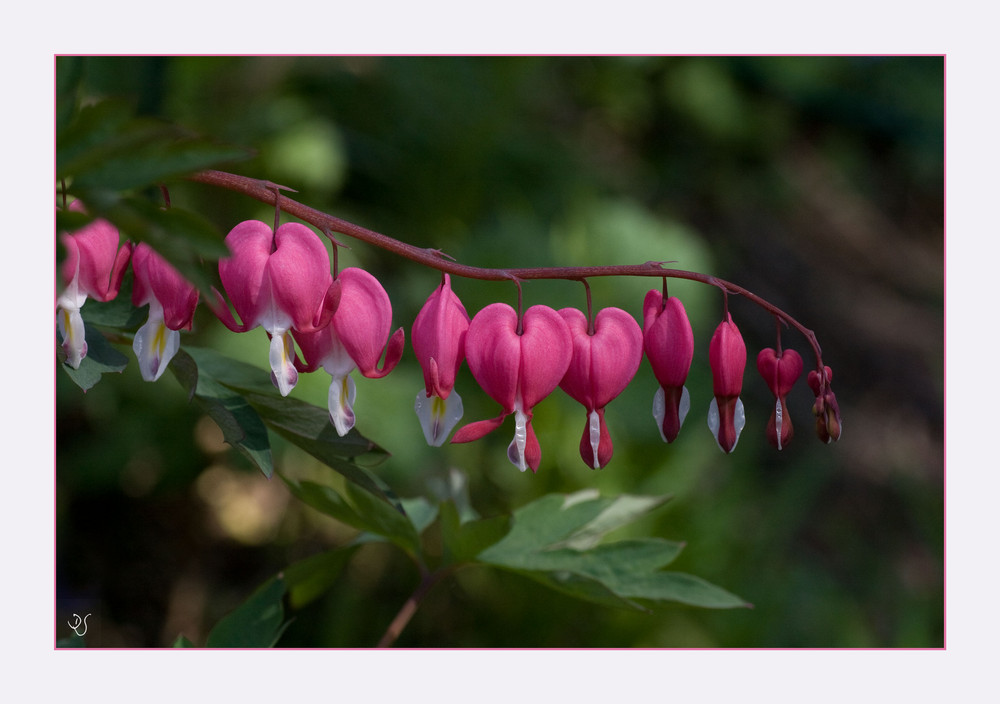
{"x": 814, "y": 182}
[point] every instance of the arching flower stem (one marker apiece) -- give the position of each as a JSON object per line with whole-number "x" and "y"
{"x": 267, "y": 192}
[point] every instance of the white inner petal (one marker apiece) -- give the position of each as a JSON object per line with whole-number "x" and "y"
{"x": 739, "y": 421}
{"x": 74, "y": 336}
{"x": 155, "y": 344}
{"x": 283, "y": 372}
{"x": 515, "y": 451}
{"x": 713, "y": 419}
{"x": 341, "y": 404}
{"x": 595, "y": 436}
{"x": 777, "y": 420}
{"x": 684, "y": 406}
{"x": 437, "y": 415}
{"x": 660, "y": 410}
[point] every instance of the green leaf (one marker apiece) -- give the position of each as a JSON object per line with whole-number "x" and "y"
{"x": 73, "y": 641}
{"x": 118, "y": 313}
{"x": 101, "y": 359}
{"x": 546, "y": 522}
{"x": 241, "y": 426}
{"x": 257, "y": 623}
{"x": 554, "y": 541}
{"x": 623, "y": 509}
{"x": 106, "y": 148}
{"x": 308, "y": 579}
{"x": 326, "y": 500}
{"x": 69, "y": 72}
{"x": 660, "y": 587}
{"x": 182, "y": 642}
{"x": 420, "y": 511}
{"x": 385, "y": 519}
{"x": 464, "y": 540}
{"x": 300, "y": 423}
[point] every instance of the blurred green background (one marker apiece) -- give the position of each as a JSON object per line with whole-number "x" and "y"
{"x": 814, "y": 182}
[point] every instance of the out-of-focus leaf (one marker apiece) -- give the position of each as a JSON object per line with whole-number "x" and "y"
{"x": 256, "y": 623}
{"x": 73, "y": 641}
{"x": 101, "y": 359}
{"x": 106, "y": 148}
{"x": 183, "y": 642}
{"x": 69, "y": 71}
{"x": 464, "y": 540}
{"x": 308, "y": 579}
{"x": 420, "y": 511}
{"x": 455, "y": 488}
{"x": 554, "y": 540}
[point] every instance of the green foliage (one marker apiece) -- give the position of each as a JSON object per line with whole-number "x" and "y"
{"x": 256, "y": 623}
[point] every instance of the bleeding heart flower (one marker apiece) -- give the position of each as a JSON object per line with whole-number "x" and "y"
{"x": 354, "y": 339}
{"x": 438, "y": 339}
{"x": 604, "y": 362}
{"x": 279, "y": 280}
{"x": 727, "y": 355}
{"x": 780, "y": 373}
{"x": 517, "y": 366}
{"x": 172, "y": 301}
{"x": 669, "y": 345}
{"x": 826, "y": 409}
{"x": 94, "y": 268}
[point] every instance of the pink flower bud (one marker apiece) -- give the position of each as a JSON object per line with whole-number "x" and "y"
{"x": 172, "y": 301}
{"x": 780, "y": 373}
{"x": 438, "y": 339}
{"x": 826, "y": 410}
{"x": 727, "y": 355}
{"x": 602, "y": 366}
{"x": 517, "y": 370}
{"x": 669, "y": 345}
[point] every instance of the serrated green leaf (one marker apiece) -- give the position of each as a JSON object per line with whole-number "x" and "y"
{"x": 464, "y": 540}
{"x": 257, "y": 623}
{"x": 101, "y": 359}
{"x": 308, "y": 579}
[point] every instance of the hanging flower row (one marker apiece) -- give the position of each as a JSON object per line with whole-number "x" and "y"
{"x": 280, "y": 279}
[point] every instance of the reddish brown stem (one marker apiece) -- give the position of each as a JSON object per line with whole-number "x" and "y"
{"x": 265, "y": 192}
